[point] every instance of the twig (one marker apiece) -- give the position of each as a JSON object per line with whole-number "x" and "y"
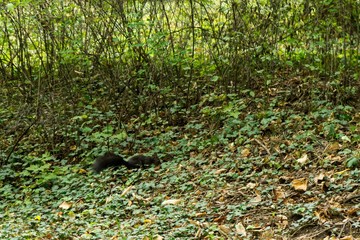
{"x": 19, "y": 139}
{"x": 261, "y": 144}
{"x": 343, "y": 227}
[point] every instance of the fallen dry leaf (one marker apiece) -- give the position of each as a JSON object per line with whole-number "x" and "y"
{"x": 157, "y": 237}
{"x": 193, "y": 222}
{"x": 299, "y": 184}
{"x": 171, "y": 201}
{"x": 319, "y": 178}
{"x": 321, "y": 215}
{"x": 108, "y": 199}
{"x": 333, "y": 147}
{"x": 201, "y": 214}
{"x": 255, "y": 200}
{"x": 224, "y": 230}
{"x": 65, "y": 205}
{"x": 282, "y": 221}
{"x": 304, "y": 158}
{"x": 126, "y": 190}
{"x": 245, "y": 152}
{"x": 232, "y": 147}
{"x": 240, "y": 229}
{"x": 267, "y": 235}
{"x": 220, "y": 171}
{"x": 250, "y": 185}
{"x": 220, "y": 219}
{"x": 347, "y": 238}
{"x": 279, "y": 194}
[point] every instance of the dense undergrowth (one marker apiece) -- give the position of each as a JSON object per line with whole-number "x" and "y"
{"x": 252, "y": 106}
{"x": 246, "y": 168}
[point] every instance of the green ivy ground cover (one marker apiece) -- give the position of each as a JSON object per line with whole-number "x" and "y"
{"x": 233, "y": 172}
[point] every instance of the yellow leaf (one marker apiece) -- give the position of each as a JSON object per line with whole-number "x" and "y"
{"x": 245, "y": 152}
{"x": 149, "y": 221}
{"x": 333, "y": 147}
{"x": 342, "y": 172}
{"x": 38, "y": 217}
{"x": 299, "y": 184}
{"x": 71, "y": 214}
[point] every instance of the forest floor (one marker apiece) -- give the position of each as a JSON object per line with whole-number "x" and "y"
{"x": 241, "y": 169}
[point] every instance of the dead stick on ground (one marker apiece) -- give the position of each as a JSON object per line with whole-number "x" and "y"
{"x": 261, "y": 144}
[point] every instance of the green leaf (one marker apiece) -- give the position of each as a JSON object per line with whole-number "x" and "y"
{"x": 214, "y": 78}
{"x": 353, "y": 162}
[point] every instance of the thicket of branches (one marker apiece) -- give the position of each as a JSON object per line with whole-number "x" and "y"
{"x": 57, "y": 57}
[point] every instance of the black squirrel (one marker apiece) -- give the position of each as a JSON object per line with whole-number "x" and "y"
{"x": 110, "y": 159}
{"x": 143, "y": 161}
